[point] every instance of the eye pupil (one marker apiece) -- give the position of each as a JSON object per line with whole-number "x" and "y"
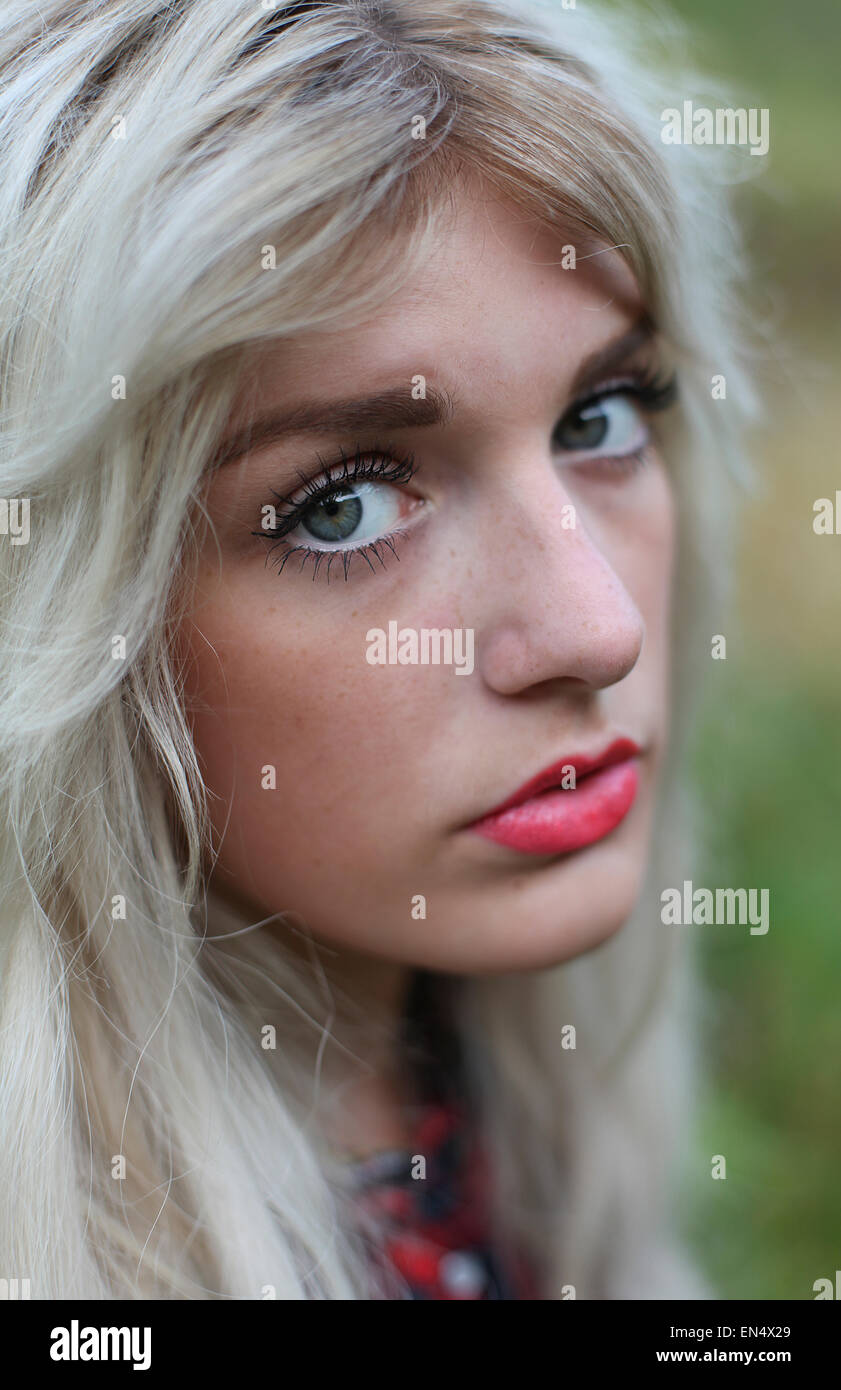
{"x": 334, "y": 518}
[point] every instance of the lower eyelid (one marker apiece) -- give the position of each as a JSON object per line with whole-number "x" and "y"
{"x": 341, "y": 558}
{"x": 372, "y": 553}
{"x": 617, "y": 465}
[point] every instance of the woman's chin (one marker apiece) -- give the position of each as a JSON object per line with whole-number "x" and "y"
{"x": 537, "y": 920}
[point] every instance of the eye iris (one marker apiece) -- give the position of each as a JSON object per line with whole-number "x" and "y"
{"x": 334, "y": 518}
{"x": 586, "y": 429}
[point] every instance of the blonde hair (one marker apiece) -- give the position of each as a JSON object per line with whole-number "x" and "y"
{"x": 151, "y": 154}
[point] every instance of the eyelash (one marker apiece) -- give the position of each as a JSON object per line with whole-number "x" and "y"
{"x": 384, "y": 463}
{"x": 651, "y": 390}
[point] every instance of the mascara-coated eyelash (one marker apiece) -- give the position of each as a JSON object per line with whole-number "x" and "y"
{"x": 651, "y": 389}
{"x": 371, "y": 548}
{"x": 585, "y": 437}
{"x": 381, "y": 464}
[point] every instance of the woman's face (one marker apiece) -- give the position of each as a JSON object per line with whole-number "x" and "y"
{"x": 534, "y": 535}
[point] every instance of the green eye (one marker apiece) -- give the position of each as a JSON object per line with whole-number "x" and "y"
{"x": 334, "y": 518}
{"x": 349, "y": 514}
{"x": 612, "y": 425}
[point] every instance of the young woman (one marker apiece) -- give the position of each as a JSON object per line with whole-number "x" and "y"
{"x": 356, "y": 384}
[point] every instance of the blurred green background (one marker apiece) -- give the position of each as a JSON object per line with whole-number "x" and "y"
{"x": 768, "y": 753}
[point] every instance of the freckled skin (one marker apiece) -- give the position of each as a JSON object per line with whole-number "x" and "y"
{"x": 381, "y": 768}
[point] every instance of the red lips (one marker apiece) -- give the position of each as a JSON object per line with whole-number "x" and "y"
{"x": 573, "y": 803}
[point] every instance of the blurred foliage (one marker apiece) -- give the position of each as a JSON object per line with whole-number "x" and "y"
{"x": 767, "y": 759}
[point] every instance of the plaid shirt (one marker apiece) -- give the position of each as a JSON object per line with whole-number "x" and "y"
{"x": 425, "y": 1215}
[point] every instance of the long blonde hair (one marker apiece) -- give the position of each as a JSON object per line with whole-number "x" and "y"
{"x": 180, "y": 179}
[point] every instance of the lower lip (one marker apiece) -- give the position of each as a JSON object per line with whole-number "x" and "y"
{"x": 566, "y": 819}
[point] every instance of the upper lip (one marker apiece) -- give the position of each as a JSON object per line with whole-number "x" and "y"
{"x": 615, "y": 752}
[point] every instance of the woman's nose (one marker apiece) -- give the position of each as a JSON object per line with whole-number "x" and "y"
{"x": 554, "y": 608}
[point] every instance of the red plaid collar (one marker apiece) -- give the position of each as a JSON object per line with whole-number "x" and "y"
{"x": 425, "y": 1214}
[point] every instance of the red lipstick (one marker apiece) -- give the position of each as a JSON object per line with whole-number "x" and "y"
{"x": 550, "y": 815}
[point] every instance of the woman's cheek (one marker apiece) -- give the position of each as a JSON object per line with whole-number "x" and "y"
{"x": 291, "y": 707}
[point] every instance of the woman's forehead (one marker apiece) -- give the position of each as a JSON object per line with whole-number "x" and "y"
{"x": 491, "y": 279}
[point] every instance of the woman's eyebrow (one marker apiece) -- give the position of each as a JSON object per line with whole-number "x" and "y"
{"x": 395, "y": 408}
{"x": 614, "y": 355}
